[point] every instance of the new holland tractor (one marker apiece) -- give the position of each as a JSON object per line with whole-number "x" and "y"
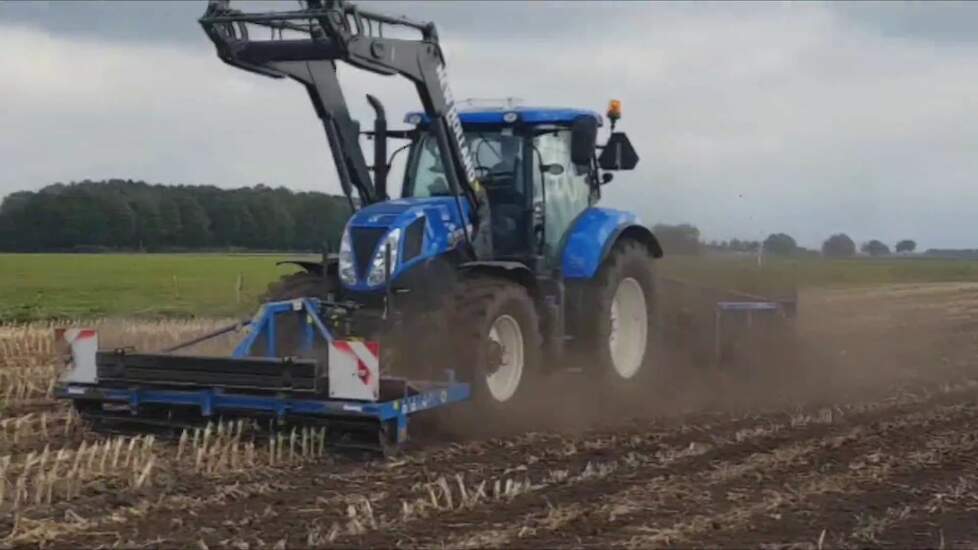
{"x": 495, "y": 257}
{"x": 494, "y": 265}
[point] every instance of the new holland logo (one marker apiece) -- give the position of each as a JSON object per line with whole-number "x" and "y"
{"x": 456, "y": 124}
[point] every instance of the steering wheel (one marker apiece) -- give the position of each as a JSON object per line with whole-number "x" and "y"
{"x": 501, "y": 179}
{"x": 438, "y": 187}
{"x": 495, "y": 179}
{"x": 483, "y": 172}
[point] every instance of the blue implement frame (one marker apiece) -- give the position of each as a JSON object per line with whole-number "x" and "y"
{"x": 213, "y": 402}
{"x": 264, "y": 323}
{"x": 417, "y": 396}
{"x": 746, "y": 308}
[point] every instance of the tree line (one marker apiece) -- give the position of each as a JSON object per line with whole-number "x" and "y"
{"x": 134, "y": 215}
{"x": 684, "y": 239}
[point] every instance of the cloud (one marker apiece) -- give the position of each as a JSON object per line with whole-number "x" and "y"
{"x": 749, "y": 118}
{"x": 945, "y": 22}
{"x": 87, "y": 108}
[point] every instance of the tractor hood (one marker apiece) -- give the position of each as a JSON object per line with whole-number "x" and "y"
{"x": 416, "y": 229}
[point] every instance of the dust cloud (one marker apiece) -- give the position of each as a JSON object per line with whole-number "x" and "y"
{"x": 846, "y": 345}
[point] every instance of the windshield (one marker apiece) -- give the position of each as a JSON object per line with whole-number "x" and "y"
{"x": 496, "y": 156}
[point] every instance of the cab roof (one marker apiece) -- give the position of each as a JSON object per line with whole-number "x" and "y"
{"x": 526, "y": 115}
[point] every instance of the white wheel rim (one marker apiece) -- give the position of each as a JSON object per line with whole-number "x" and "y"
{"x": 629, "y": 328}
{"x": 505, "y": 380}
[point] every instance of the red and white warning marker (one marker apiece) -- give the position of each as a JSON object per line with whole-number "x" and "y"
{"x": 80, "y": 344}
{"x": 354, "y": 370}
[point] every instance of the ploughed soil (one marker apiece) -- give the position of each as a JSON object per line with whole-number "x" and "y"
{"x": 863, "y": 434}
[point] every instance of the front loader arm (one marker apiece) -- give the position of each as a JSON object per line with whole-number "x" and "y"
{"x": 306, "y": 60}
{"x": 333, "y": 31}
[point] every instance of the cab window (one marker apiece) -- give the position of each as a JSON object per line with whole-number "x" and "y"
{"x": 563, "y": 196}
{"x": 497, "y": 158}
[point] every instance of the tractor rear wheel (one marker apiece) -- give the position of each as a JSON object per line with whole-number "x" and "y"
{"x": 619, "y": 331}
{"x": 498, "y": 342}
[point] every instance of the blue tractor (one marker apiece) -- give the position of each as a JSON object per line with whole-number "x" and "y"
{"x": 495, "y": 265}
{"x": 495, "y": 260}
{"x": 522, "y": 275}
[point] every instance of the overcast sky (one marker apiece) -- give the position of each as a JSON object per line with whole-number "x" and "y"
{"x": 749, "y": 118}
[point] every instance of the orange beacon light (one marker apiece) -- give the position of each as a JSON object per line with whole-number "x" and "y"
{"x": 614, "y": 112}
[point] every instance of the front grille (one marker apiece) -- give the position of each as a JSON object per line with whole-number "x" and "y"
{"x": 364, "y": 241}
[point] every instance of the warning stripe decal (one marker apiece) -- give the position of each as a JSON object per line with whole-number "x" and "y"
{"x": 366, "y": 354}
{"x": 72, "y": 335}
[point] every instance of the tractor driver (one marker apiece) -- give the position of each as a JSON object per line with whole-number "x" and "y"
{"x": 498, "y": 160}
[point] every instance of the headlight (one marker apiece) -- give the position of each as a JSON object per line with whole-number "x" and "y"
{"x": 348, "y": 273}
{"x": 378, "y": 273}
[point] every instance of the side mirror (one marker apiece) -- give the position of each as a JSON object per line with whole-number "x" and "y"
{"x": 606, "y": 178}
{"x": 584, "y": 136}
{"x": 618, "y": 153}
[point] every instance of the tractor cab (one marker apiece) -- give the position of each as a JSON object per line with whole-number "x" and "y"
{"x": 524, "y": 159}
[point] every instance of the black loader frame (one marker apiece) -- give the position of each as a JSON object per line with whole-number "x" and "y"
{"x": 330, "y": 31}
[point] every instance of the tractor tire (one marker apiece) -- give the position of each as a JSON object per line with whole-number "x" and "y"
{"x": 498, "y": 343}
{"x": 298, "y": 285}
{"x": 291, "y": 327}
{"x": 619, "y": 330}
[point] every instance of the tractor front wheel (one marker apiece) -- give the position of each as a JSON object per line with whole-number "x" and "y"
{"x": 499, "y": 341}
{"x": 299, "y": 285}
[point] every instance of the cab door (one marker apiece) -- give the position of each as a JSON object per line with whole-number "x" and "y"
{"x": 561, "y": 191}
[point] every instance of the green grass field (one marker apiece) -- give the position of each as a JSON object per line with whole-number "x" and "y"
{"x": 45, "y": 286}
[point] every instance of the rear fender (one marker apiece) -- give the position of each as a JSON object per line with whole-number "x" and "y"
{"x": 594, "y": 233}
